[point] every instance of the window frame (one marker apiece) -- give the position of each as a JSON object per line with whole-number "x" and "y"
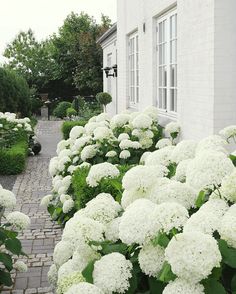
{"x": 167, "y": 63}
{"x": 133, "y": 69}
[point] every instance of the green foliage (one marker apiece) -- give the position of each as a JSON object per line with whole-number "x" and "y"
{"x": 14, "y": 93}
{"x": 60, "y": 110}
{"x": 104, "y": 98}
{"x": 12, "y": 244}
{"x": 71, "y": 112}
{"x": 13, "y": 159}
{"x": 68, "y": 125}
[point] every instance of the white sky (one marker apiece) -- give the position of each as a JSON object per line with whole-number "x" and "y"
{"x": 45, "y": 16}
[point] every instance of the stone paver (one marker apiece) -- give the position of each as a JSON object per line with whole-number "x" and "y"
{"x": 40, "y": 239}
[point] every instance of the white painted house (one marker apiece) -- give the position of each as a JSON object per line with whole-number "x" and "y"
{"x": 177, "y": 55}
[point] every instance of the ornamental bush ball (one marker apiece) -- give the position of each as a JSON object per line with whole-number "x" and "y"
{"x": 104, "y": 98}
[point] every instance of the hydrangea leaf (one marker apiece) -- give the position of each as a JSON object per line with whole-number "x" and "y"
{"x": 213, "y": 286}
{"x": 228, "y": 254}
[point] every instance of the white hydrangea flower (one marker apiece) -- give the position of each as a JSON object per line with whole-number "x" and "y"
{"x": 68, "y": 205}
{"x": 112, "y": 230}
{"x": 124, "y": 154}
{"x": 20, "y": 266}
{"x": 111, "y": 153}
{"x": 145, "y": 142}
{"x": 62, "y": 163}
{"x": 64, "y": 197}
{"x": 119, "y": 120}
{"x": 181, "y": 169}
{"x": 62, "y": 145}
{"x": 53, "y": 166}
{"x": 228, "y": 132}
{"x": 184, "y": 150}
{"x": 112, "y": 273}
{"x": 19, "y": 220}
{"x": 66, "y": 269}
{"x": 152, "y": 111}
{"x": 173, "y": 191}
{"x": 144, "y": 157}
{"x": 143, "y": 177}
{"x": 90, "y": 127}
{"x": 163, "y": 143}
{"x": 102, "y": 133}
{"x": 208, "y": 218}
{"x": 52, "y": 275}
{"x": 81, "y": 142}
{"x": 207, "y": 169}
{"x": 100, "y": 171}
{"x": 102, "y": 208}
{"x": 7, "y": 199}
{"x": 142, "y": 121}
{"x": 80, "y": 229}
{"x": 82, "y": 256}
{"x": 135, "y": 224}
{"x": 84, "y": 288}
{"x": 167, "y": 216}
{"x": 129, "y": 196}
{"x": 88, "y": 152}
{"x": 66, "y": 282}
{"x": 228, "y": 187}
{"x": 212, "y": 143}
{"x": 126, "y": 144}
{"x": 192, "y": 256}
{"x": 227, "y": 228}
{"x": 151, "y": 259}
{"x": 62, "y": 252}
{"x": 103, "y": 117}
{"x": 180, "y": 286}
{"x": 72, "y": 168}
{"x": 172, "y": 127}
{"x": 161, "y": 156}
{"x": 123, "y": 136}
{"x": 76, "y": 132}
{"x": 46, "y": 200}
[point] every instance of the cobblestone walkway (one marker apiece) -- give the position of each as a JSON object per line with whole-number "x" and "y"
{"x": 40, "y": 239}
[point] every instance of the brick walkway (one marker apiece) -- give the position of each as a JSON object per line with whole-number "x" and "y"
{"x": 40, "y": 239}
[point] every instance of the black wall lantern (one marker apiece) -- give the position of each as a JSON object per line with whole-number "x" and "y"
{"x": 107, "y": 71}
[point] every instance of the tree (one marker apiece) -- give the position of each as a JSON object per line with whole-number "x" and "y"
{"x": 64, "y": 65}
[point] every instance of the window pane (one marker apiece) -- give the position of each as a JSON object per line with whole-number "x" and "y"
{"x": 165, "y": 76}
{"x": 160, "y": 55}
{"x": 164, "y": 31}
{"x": 164, "y": 99}
{"x": 172, "y": 100}
{"x": 173, "y": 24}
{"x": 173, "y": 76}
{"x": 164, "y": 53}
{"x": 137, "y": 94}
{"x": 160, "y": 99}
{"x": 173, "y": 51}
{"x": 160, "y": 76}
{"x": 160, "y": 32}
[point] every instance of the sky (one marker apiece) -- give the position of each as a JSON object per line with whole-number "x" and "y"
{"x": 45, "y": 16}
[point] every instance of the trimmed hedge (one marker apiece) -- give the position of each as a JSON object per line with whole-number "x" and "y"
{"x": 68, "y": 125}
{"x": 13, "y": 160}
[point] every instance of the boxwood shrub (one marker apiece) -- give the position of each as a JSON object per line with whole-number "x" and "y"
{"x": 13, "y": 160}
{"x": 68, "y": 125}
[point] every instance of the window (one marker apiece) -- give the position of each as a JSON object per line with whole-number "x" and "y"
{"x": 167, "y": 62}
{"x": 109, "y": 57}
{"x": 133, "y": 69}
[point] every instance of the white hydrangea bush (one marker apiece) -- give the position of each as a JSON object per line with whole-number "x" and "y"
{"x": 172, "y": 231}
{"x": 11, "y": 224}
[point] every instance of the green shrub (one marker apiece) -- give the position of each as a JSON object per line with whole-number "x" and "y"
{"x": 14, "y": 93}
{"x": 104, "y": 98}
{"x": 68, "y": 125}
{"x": 13, "y": 160}
{"x": 70, "y": 112}
{"x": 60, "y": 110}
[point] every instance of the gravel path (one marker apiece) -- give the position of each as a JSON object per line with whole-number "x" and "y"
{"x": 40, "y": 239}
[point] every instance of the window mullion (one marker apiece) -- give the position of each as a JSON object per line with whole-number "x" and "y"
{"x": 168, "y": 65}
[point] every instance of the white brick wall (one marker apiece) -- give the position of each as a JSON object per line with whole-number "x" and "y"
{"x": 206, "y": 60}
{"x": 109, "y": 47}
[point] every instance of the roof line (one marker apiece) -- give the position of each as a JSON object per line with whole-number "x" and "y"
{"x": 107, "y": 34}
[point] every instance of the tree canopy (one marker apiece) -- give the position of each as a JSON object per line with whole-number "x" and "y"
{"x": 67, "y": 63}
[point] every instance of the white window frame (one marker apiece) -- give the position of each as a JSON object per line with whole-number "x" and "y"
{"x": 133, "y": 69}
{"x": 167, "y": 109}
{"x": 109, "y": 80}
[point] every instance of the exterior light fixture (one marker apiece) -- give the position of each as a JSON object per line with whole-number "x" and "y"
{"x": 107, "y": 70}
